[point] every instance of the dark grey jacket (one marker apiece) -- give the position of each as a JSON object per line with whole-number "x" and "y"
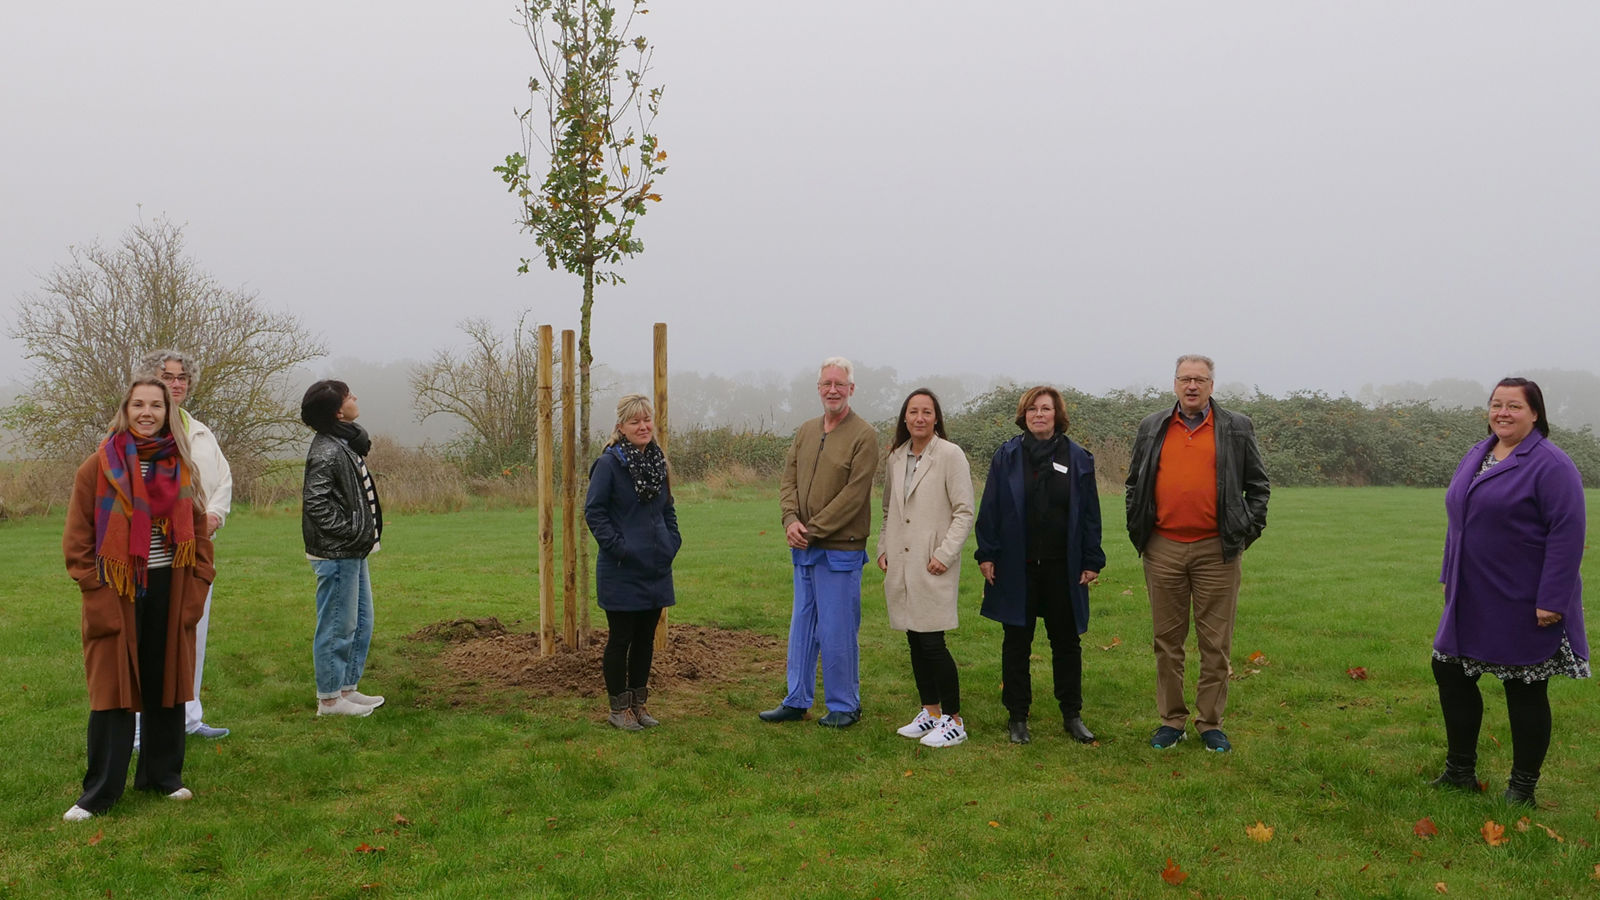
{"x": 336, "y": 520}
{"x": 1242, "y": 485}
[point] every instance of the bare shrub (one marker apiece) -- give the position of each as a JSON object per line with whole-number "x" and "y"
{"x": 698, "y": 453}
{"x": 514, "y": 486}
{"x": 276, "y": 484}
{"x": 735, "y": 475}
{"x": 32, "y": 487}
{"x": 1112, "y": 456}
{"x": 415, "y": 480}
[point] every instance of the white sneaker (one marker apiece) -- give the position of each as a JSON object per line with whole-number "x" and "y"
{"x": 947, "y": 733}
{"x": 361, "y": 699}
{"x": 919, "y": 726}
{"x": 77, "y": 814}
{"x": 181, "y": 794}
{"x": 343, "y": 707}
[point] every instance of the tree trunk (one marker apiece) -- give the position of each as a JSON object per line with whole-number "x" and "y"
{"x": 585, "y": 389}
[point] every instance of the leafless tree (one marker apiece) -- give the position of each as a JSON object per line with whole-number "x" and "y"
{"x": 492, "y": 387}
{"x": 94, "y": 316}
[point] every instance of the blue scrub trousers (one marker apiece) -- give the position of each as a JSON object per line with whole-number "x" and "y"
{"x": 826, "y": 623}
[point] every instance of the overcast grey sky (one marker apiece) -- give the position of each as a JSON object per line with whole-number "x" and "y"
{"x": 1319, "y": 195}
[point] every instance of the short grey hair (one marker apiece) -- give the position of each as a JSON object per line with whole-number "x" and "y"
{"x": 839, "y": 362}
{"x": 153, "y": 363}
{"x": 1211, "y": 367}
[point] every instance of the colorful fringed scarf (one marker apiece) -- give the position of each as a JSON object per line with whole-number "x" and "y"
{"x": 126, "y": 506}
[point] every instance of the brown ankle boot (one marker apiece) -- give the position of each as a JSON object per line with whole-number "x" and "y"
{"x": 640, "y": 696}
{"x": 622, "y": 712}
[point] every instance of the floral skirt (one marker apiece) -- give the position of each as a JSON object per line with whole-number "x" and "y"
{"x": 1564, "y": 662}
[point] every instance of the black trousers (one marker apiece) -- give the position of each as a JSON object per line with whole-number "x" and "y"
{"x": 161, "y": 745}
{"x": 934, "y": 670}
{"x": 630, "y": 648}
{"x": 1527, "y": 706}
{"x": 1048, "y": 599}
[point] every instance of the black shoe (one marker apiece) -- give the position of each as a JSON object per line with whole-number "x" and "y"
{"x": 1019, "y": 731}
{"x": 839, "y": 719}
{"x": 1460, "y": 773}
{"x": 1460, "y": 781}
{"x": 781, "y": 713}
{"x": 1078, "y": 731}
{"x": 1519, "y": 789}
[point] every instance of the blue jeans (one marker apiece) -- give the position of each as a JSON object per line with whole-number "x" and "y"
{"x": 344, "y": 624}
{"x": 825, "y": 622}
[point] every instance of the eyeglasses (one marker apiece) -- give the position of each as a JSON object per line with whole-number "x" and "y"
{"x": 1194, "y": 379}
{"x": 170, "y": 378}
{"x": 832, "y": 385}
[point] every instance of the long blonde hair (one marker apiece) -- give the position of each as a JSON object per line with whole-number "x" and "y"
{"x": 174, "y": 424}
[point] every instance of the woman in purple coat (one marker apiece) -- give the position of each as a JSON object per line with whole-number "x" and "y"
{"x": 1513, "y": 602}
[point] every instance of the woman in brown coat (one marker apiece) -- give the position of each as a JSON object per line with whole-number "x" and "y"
{"x": 136, "y": 544}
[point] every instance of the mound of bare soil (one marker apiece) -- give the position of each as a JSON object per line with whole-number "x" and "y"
{"x": 482, "y": 650}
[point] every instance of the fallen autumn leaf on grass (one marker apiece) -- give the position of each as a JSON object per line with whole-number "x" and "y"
{"x": 1425, "y": 828}
{"x": 1115, "y": 642}
{"x": 98, "y": 837}
{"x": 1494, "y": 834}
{"x": 1441, "y": 887}
{"x": 368, "y": 848}
{"x": 1359, "y": 673}
{"x": 1258, "y": 658}
{"x": 1258, "y": 832}
{"x": 1175, "y": 876}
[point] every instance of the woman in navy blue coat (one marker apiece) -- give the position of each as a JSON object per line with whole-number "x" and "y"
{"x": 629, "y": 511}
{"x": 1039, "y": 550}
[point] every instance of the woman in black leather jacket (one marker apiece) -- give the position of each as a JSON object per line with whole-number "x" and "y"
{"x": 341, "y": 521}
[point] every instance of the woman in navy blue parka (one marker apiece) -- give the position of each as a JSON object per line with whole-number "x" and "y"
{"x": 629, "y": 511}
{"x": 1039, "y": 550}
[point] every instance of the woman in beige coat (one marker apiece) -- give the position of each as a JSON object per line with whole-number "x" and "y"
{"x": 927, "y": 515}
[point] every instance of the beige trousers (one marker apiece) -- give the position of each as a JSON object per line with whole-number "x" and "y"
{"x": 1184, "y": 579}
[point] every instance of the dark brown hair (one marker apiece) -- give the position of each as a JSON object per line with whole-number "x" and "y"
{"x": 1535, "y": 397}
{"x": 902, "y": 433}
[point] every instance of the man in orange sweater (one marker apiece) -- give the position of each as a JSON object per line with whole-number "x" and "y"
{"x": 1196, "y": 498}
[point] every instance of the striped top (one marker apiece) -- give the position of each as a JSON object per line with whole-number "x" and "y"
{"x": 160, "y": 548}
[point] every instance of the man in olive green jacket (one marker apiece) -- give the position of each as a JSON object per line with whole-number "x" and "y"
{"x": 827, "y": 511}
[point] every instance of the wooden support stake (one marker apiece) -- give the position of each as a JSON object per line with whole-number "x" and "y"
{"x": 547, "y": 531}
{"x": 661, "y": 435}
{"x": 569, "y": 497}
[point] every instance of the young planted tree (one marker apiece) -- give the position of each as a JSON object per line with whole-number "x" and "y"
{"x": 593, "y": 137}
{"x": 589, "y": 130}
{"x": 94, "y": 316}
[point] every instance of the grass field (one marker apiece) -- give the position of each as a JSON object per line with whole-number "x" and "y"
{"x": 495, "y": 794}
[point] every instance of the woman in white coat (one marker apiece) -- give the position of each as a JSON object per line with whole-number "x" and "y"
{"x": 927, "y": 515}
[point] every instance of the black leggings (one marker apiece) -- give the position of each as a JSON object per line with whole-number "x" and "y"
{"x": 1527, "y": 706}
{"x": 630, "y": 648}
{"x": 934, "y": 671}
